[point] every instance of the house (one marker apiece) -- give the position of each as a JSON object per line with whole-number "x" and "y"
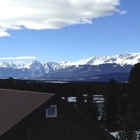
{"x": 27, "y": 115}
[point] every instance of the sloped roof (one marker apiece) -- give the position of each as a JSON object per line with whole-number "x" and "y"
{"x": 15, "y": 105}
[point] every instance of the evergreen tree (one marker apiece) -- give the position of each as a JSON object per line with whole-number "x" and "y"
{"x": 91, "y": 109}
{"x": 113, "y": 110}
{"x": 134, "y": 76}
{"x": 131, "y": 123}
{"x": 128, "y": 132}
{"x": 80, "y": 102}
{"x": 133, "y": 105}
{"x": 10, "y": 83}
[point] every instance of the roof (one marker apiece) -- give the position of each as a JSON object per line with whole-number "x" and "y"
{"x": 20, "y": 104}
{"x": 17, "y": 105}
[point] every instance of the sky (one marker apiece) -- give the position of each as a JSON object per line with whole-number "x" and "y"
{"x": 70, "y": 30}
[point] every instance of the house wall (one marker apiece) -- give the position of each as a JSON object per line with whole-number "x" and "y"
{"x": 58, "y": 128}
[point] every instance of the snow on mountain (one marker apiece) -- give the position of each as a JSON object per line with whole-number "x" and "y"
{"x": 89, "y": 65}
{"x": 51, "y": 66}
{"x": 123, "y": 59}
{"x": 32, "y": 68}
{"x": 7, "y": 65}
{"x": 32, "y": 65}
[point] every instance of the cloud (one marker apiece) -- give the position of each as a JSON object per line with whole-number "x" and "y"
{"x": 3, "y": 33}
{"x": 18, "y": 58}
{"x": 123, "y": 12}
{"x": 52, "y": 14}
{"x": 19, "y": 62}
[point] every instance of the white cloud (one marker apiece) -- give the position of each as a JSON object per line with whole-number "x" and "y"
{"x": 52, "y": 14}
{"x": 123, "y": 12}
{"x": 20, "y": 57}
{"x": 3, "y": 33}
{"x": 19, "y": 62}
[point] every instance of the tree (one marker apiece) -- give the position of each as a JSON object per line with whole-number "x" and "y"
{"x": 10, "y": 83}
{"x": 131, "y": 123}
{"x": 80, "y": 103}
{"x": 133, "y": 105}
{"x": 134, "y": 76}
{"x": 91, "y": 109}
{"x": 114, "y": 109}
{"x": 128, "y": 132}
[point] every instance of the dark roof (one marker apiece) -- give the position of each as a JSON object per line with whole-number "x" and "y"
{"x": 15, "y": 105}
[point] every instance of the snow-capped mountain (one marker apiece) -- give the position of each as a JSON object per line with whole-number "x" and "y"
{"x": 51, "y": 67}
{"x": 7, "y": 65}
{"x": 91, "y": 69}
{"x": 123, "y": 59}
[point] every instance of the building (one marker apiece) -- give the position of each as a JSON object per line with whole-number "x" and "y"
{"x": 26, "y": 115}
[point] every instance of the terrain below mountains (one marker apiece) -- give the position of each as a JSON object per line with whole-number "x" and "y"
{"x": 91, "y": 69}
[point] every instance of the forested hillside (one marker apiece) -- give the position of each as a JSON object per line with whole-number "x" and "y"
{"x": 61, "y": 89}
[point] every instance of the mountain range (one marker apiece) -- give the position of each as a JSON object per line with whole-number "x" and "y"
{"x": 91, "y": 69}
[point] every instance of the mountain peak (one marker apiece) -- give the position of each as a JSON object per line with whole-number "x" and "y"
{"x": 90, "y": 68}
{"x": 32, "y": 64}
{"x": 7, "y": 65}
{"x": 122, "y": 59}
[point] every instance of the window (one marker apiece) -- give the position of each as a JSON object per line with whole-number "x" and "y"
{"x": 51, "y": 111}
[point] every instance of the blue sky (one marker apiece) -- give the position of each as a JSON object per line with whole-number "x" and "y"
{"x": 52, "y": 30}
